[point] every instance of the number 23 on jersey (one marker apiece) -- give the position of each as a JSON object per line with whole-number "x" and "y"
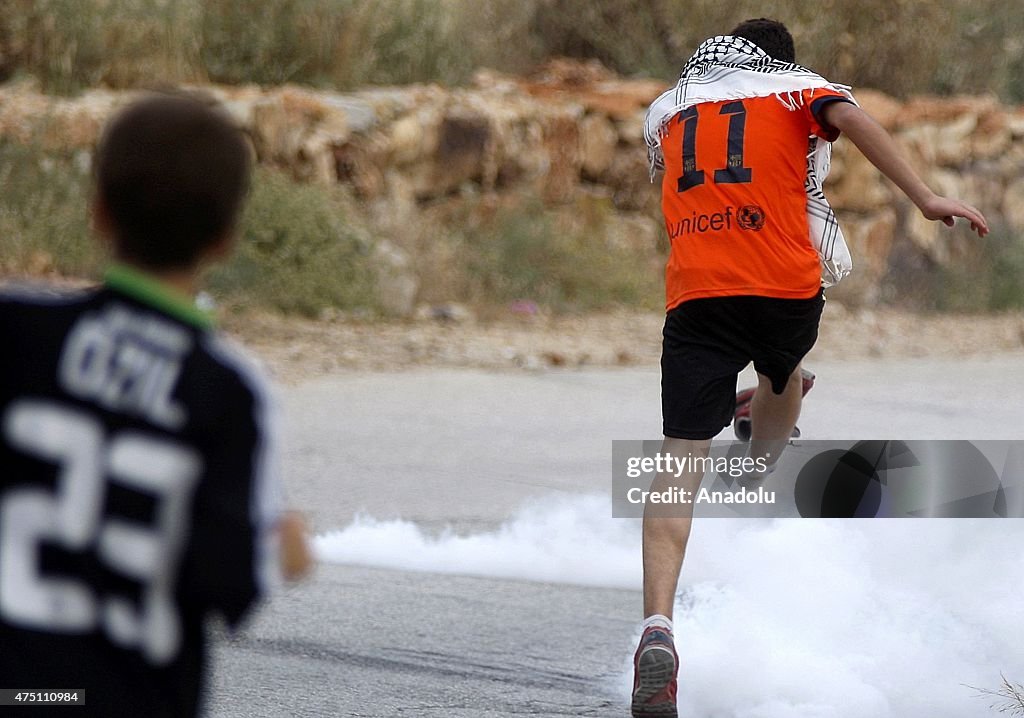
{"x": 71, "y": 517}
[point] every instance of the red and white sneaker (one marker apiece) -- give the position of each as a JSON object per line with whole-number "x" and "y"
{"x": 741, "y": 417}
{"x": 654, "y": 675}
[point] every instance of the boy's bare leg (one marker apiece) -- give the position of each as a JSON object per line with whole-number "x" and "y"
{"x": 665, "y": 534}
{"x": 773, "y": 416}
{"x": 666, "y": 530}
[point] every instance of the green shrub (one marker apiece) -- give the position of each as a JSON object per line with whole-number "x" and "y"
{"x": 44, "y": 219}
{"x": 563, "y": 260}
{"x": 990, "y": 277}
{"x": 297, "y": 252}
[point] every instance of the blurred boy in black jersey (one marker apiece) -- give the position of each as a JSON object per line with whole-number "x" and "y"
{"x": 139, "y": 491}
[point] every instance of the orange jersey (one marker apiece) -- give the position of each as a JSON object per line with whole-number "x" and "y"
{"x": 734, "y": 200}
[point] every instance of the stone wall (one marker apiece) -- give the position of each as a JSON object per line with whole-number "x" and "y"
{"x": 571, "y": 128}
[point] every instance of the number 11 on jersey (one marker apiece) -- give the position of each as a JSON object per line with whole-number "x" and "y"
{"x": 734, "y": 171}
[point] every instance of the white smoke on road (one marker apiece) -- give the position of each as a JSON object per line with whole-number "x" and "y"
{"x": 778, "y": 618}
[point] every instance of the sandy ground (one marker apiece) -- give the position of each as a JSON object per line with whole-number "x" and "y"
{"x": 297, "y": 349}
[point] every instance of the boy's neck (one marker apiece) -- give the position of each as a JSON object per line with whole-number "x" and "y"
{"x": 183, "y": 282}
{"x": 171, "y": 291}
{"x": 180, "y": 281}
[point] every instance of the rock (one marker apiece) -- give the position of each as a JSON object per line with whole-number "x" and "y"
{"x": 630, "y": 181}
{"x": 81, "y": 125}
{"x": 631, "y": 131}
{"x": 987, "y": 181}
{"x": 451, "y": 313}
{"x": 920, "y": 142}
{"x": 1013, "y": 204}
{"x": 870, "y": 240}
{"x": 357, "y": 115}
{"x": 945, "y": 182}
{"x": 383, "y": 105}
{"x": 941, "y": 133}
{"x": 397, "y": 284}
{"x": 437, "y": 149}
{"x": 414, "y": 137}
{"x": 300, "y": 130}
{"x": 622, "y": 99}
{"x": 1015, "y": 122}
{"x": 241, "y": 110}
{"x": 458, "y": 156}
{"x": 560, "y": 136}
{"x": 360, "y": 163}
{"x": 953, "y": 140}
{"x": 924, "y": 234}
{"x": 83, "y": 162}
{"x": 835, "y": 309}
{"x": 568, "y": 73}
{"x": 598, "y": 140}
{"x": 277, "y": 130}
{"x": 554, "y": 358}
{"x": 516, "y": 155}
{"x": 991, "y": 137}
{"x": 491, "y": 80}
{"x": 39, "y": 263}
{"x": 315, "y": 159}
{"x": 592, "y": 85}
{"x": 397, "y": 209}
{"x": 927, "y": 109}
{"x": 885, "y": 109}
{"x": 854, "y": 183}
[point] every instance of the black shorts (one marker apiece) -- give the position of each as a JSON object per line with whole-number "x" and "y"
{"x": 708, "y": 342}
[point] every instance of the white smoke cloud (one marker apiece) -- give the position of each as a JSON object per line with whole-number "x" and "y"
{"x": 777, "y": 619}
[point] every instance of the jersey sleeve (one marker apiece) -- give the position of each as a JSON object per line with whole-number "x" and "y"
{"x": 814, "y": 101}
{"x": 232, "y": 558}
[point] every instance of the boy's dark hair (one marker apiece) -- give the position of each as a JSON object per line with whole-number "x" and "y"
{"x": 171, "y": 172}
{"x": 769, "y": 35}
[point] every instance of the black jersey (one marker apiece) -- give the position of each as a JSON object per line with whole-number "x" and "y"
{"x": 137, "y": 492}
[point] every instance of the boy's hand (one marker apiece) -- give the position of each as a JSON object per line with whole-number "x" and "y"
{"x": 881, "y": 150}
{"x": 946, "y": 209}
{"x": 296, "y": 556}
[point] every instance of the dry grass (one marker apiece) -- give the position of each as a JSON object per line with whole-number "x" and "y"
{"x": 899, "y": 46}
{"x": 1008, "y": 699}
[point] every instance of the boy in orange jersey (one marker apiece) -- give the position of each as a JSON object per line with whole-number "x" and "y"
{"x": 752, "y": 244}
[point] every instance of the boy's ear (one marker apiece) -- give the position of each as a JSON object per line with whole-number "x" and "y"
{"x": 100, "y": 219}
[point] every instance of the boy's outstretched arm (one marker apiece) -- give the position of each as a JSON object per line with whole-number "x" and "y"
{"x": 882, "y": 151}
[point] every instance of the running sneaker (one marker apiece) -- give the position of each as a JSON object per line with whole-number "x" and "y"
{"x": 654, "y": 675}
{"x": 741, "y": 417}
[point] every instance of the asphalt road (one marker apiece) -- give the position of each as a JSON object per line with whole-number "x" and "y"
{"x": 465, "y": 449}
{"x": 370, "y": 642}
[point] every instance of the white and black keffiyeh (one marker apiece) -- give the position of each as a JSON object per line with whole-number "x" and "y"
{"x": 733, "y": 68}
